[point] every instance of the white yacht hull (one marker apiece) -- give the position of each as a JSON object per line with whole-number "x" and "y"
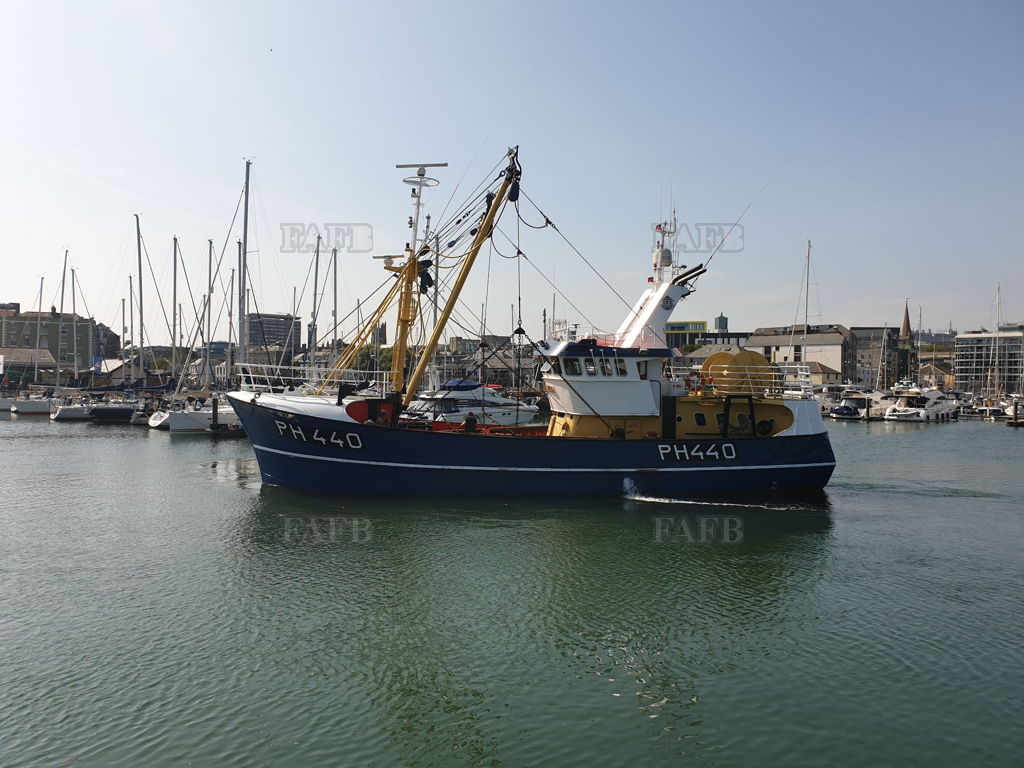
{"x": 159, "y": 420}
{"x": 5, "y": 403}
{"x": 32, "y": 407}
{"x": 198, "y": 422}
{"x": 72, "y": 413}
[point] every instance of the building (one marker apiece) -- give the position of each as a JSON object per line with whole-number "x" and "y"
{"x": 270, "y": 330}
{"x": 877, "y": 348}
{"x": 108, "y": 343}
{"x": 703, "y": 352}
{"x": 20, "y": 365}
{"x": 834, "y": 346}
{"x": 64, "y": 336}
{"x": 907, "y": 366}
{"x": 938, "y": 375}
{"x": 986, "y": 362}
{"x": 684, "y": 333}
{"x": 823, "y": 376}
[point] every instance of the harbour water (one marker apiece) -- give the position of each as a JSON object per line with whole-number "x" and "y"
{"x": 158, "y": 608}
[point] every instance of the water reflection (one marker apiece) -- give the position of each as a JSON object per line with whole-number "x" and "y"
{"x": 438, "y": 613}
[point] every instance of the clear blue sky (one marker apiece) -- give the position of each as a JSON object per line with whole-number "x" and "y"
{"x": 901, "y": 124}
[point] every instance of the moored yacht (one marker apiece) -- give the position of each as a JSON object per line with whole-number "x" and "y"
{"x": 201, "y": 419}
{"x": 860, "y": 404}
{"x": 456, "y": 399}
{"x": 32, "y": 406}
{"x": 920, "y": 405}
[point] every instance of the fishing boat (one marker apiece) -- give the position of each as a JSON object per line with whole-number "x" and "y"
{"x": 623, "y": 420}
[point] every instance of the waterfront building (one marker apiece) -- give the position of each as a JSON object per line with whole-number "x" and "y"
{"x": 834, "y": 346}
{"x": 907, "y": 365}
{"x": 877, "y": 348}
{"x": 56, "y": 333}
{"x": 20, "y": 365}
{"x": 684, "y": 333}
{"x": 273, "y": 330}
{"x": 990, "y": 362}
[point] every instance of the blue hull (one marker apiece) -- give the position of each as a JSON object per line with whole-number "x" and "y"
{"x": 330, "y": 456}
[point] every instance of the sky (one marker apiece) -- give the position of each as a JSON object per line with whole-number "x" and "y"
{"x": 888, "y": 134}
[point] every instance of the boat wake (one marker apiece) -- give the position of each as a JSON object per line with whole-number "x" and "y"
{"x": 630, "y": 493}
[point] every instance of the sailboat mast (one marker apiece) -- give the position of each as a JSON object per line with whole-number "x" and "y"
{"x": 311, "y": 338}
{"x": 209, "y": 308}
{"x": 243, "y": 331}
{"x": 142, "y": 332}
{"x": 998, "y": 389}
{"x": 334, "y": 309}
{"x": 74, "y": 325}
{"x": 124, "y": 338}
{"x": 174, "y": 307}
{"x": 39, "y": 334}
{"x": 807, "y": 291}
{"x": 131, "y": 321}
{"x": 60, "y": 319}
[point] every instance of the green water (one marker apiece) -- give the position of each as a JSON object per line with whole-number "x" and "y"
{"x": 157, "y": 608}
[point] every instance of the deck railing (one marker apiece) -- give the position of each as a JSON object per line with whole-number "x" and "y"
{"x": 786, "y": 381}
{"x": 255, "y": 377}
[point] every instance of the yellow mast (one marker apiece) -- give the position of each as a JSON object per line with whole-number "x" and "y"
{"x": 407, "y": 305}
{"x": 511, "y": 174}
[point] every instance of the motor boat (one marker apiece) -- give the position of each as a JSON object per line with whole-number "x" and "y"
{"x": 458, "y": 398}
{"x": 920, "y": 405}
{"x": 860, "y": 404}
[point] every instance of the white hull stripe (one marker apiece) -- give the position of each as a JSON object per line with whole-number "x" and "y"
{"x": 704, "y": 468}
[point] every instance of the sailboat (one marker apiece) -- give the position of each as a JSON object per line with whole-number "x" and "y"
{"x": 34, "y": 406}
{"x": 621, "y": 421}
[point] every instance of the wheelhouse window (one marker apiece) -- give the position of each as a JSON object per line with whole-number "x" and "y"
{"x": 700, "y": 419}
{"x": 606, "y": 367}
{"x": 620, "y": 367}
{"x": 590, "y": 366}
{"x": 572, "y": 367}
{"x": 642, "y": 369}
